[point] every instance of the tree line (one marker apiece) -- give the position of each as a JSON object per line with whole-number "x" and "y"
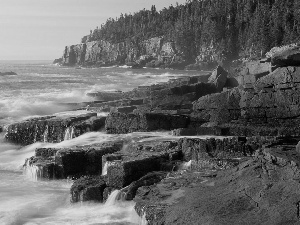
{"x": 240, "y": 28}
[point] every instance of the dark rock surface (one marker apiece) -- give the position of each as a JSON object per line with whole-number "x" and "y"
{"x": 289, "y": 56}
{"x": 262, "y": 190}
{"x": 218, "y": 78}
{"x": 71, "y": 162}
{"x": 88, "y": 189}
{"x": 147, "y": 180}
{"x": 127, "y": 167}
{"x": 269, "y": 107}
{"x": 118, "y": 123}
{"x": 52, "y": 128}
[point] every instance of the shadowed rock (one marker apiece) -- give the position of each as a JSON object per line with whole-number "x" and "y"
{"x": 263, "y": 190}
{"x": 53, "y": 163}
{"x": 53, "y": 128}
{"x": 117, "y": 123}
{"x": 88, "y": 189}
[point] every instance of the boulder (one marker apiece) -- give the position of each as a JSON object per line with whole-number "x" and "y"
{"x": 218, "y": 78}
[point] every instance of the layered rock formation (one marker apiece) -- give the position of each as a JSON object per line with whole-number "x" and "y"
{"x": 53, "y": 128}
{"x": 101, "y": 53}
{"x": 262, "y": 190}
{"x": 266, "y": 106}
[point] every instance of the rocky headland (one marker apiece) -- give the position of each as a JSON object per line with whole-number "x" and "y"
{"x": 220, "y": 148}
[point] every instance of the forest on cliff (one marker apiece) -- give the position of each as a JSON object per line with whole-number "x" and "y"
{"x": 239, "y": 28}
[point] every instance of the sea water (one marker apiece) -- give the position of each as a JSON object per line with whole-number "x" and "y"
{"x": 41, "y": 88}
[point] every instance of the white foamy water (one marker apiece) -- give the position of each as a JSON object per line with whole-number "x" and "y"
{"x": 43, "y": 89}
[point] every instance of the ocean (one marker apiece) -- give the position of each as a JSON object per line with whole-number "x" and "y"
{"x": 41, "y": 88}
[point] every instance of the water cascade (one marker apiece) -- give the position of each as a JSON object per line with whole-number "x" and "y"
{"x": 113, "y": 198}
{"x": 186, "y": 165}
{"x": 105, "y": 167}
{"x": 144, "y": 220}
{"x": 33, "y": 172}
{"x": 69, "y": 133}
{"x": 45, "y": 135}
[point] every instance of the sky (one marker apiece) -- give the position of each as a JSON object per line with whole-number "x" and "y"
{"x": 39, "y": 29}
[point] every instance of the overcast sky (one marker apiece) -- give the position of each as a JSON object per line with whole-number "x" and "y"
{"x": 39, "y": 29}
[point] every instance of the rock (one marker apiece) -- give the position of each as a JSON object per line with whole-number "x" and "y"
{"x": 125, "y": 109}
{"x": 147, "y": 180}
{"x": 52, "y": 128}
{"x": 286, "y": 56}
{"x": 88, "y": 189}
{"x": 264, "y": 190}
{"x": 218, "y": 78}
{"x": 7, "y": 73}
{"x": 70, "y": 162}
{"x": 214, "y": 153}
{"x": 104, "y": 53}
{"x": 106, "y": 96}
{"x": 58, "y": 61}
{"x": 129, "y": 166}
{"x": 219, "y": 108}
{"x": 1, "y": 129}
{"x": 117, "y": 123}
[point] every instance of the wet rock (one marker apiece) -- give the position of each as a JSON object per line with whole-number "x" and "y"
{"x": 149, "y": 179}
{"x": 264, "y": 190}
{"x": 214, "y": 153}
{"x": 117, "y": 123}
{"x": 126, "y": 167}
{"x": 52, "y": 128}
{"x": 88, "y": 189}
{"x": 52, "y": 163}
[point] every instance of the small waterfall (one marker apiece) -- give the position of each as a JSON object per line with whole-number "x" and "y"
{"x": 144, "y": 220}
{"x": 69, "y": 133}
{"x": 45, "y": 135}
{"x": 33, "y": 172}
{"x": 105, "y": 167}
{"x": 186, "y": 165}
{"x": 113, "y": 198}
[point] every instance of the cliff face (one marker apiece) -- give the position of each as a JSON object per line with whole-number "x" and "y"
{"x": 105, "y": 53}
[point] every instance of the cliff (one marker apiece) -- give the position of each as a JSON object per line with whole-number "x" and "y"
{"x": 103, "y": 53}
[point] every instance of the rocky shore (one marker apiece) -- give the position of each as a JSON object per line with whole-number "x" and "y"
{"x": 246, "y": 171}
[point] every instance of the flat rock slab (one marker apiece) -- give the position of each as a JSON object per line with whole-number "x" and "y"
{"x": 71, "y": 162}
{"x": 258, "y": 191}
{"x": 118, "y": 123}
{"x": 53, "y": 128}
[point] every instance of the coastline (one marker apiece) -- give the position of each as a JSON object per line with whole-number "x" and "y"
{"x": 209, "y": 145}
